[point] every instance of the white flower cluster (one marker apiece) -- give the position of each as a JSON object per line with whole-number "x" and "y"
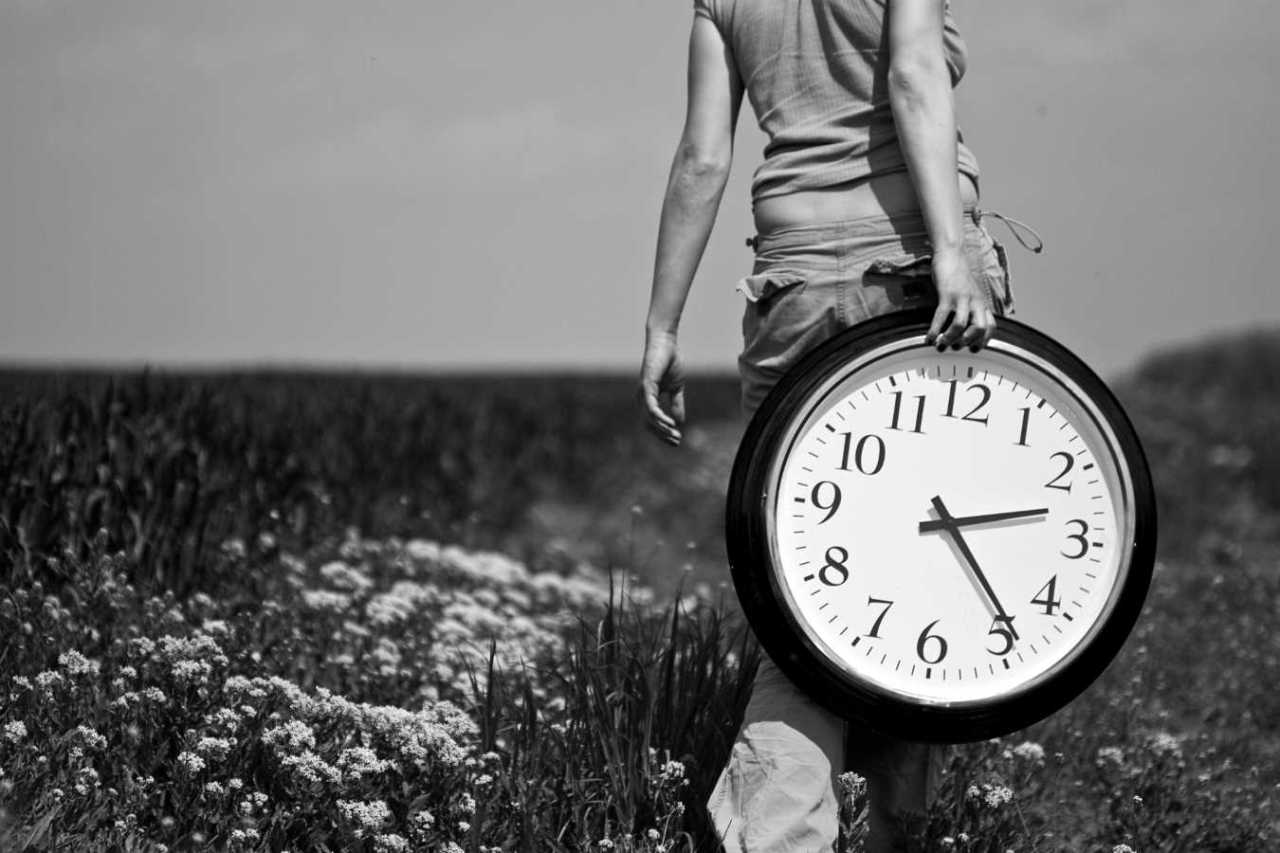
{"x": 1030, "y": 751}
{"x": 364, "y": 818}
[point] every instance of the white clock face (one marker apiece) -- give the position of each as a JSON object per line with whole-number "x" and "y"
{"x": 949, "y": 527}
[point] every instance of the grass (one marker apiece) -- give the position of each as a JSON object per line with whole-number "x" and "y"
{"x": 228, "y": 619}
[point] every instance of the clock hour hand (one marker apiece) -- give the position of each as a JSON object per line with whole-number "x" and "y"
{"x": 966, "y": 520}
{"x": 949, "y": 524}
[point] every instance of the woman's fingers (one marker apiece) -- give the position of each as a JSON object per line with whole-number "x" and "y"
{"x": 677, "y": 406}
{"x": 950, "y": 336}
{"x": 940, "y": 315}
{"x": 961, "y": 320}
{"x": 981, "y": 327}
{"x": 664, "y": 426}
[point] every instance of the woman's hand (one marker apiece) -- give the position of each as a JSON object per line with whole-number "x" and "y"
{"x": 661, "y": 390}
{"x": 964, "y": 299}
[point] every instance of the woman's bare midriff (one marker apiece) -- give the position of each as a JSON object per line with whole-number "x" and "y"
{"x": 885, "y": 194}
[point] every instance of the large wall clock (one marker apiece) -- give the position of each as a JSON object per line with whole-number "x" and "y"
{"x": 946, "y": 546}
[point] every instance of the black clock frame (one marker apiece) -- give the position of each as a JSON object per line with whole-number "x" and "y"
{"x": 777, "y": 628}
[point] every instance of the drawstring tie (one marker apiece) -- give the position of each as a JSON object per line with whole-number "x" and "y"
{"x": 1010, "y": 222}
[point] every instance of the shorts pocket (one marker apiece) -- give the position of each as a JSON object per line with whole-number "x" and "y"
{"x": 760, "y": 288}
{"x": 991, "y": 266}
{"x": 1000, "y": 281}
{"x": 899, "y": 281}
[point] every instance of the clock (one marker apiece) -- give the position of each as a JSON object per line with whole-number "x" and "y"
{"x": 944, "y": 546}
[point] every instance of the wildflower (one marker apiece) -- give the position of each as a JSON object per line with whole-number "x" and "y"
{"x": 464, "y": 827}
{"x": 192, "y": 671}
{"x": 86, "y": 779}
{"x": 420, "y": 823}
{"x": 190, "y": 762}
{"x": 293, "y": 736}
{"x": 996, "y": 795}
{"x": 47, "y": 681}
{"x": 14, "y": 732}
{"x": 214, "y": 789}
{"x": 215, "y": 627}
{"x": 467, "y": 805}
{"x": 1110, "y": 755}
{"x": 652, "y": 834}
{"x": 364, "y": 817}
{"x": 244, "y": 836}
{"x": 241, "y": 687}
{"x": 355, "y": 629}
{"x": 197, "y": 647}
{"x": 77, "y": 664}
{"x": 423, "y": 550}
{"x": 342, "y": 576}
{"x": 387, "y": 655}
{"x": 672, "y": 771}
{"x": 1137, "y": 800}
{"x": 1163, "y": 743}
{"x": 155, "y": 694}
{"x": 324, "y": 599}
{"x": 311, "y": 768}
{"x": 90, "y": 737}
{"x": 361, "y": 761}
{"x": 1122, "y": 848}
{"x": 948, "y": 842}
{"x": 1029, "y": 751}
{"x": 390, "y": 843}
{"x": 215, "y": 748}
{"x": 605, "y": 843}
{"x": 253, "y": 801}
{"x": 234, "y": 783}
{"x": 223, "y": 718}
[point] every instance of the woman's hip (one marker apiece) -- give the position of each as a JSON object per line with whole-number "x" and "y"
{"x": 810, "y": 282}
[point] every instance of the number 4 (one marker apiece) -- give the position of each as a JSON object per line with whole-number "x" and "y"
{"x": 1045, "y": 597}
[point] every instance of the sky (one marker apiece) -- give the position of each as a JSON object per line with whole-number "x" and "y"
{"x": 451, "y": 184}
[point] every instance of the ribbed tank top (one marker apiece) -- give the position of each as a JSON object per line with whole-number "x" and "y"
{"x": 816, "y": 73}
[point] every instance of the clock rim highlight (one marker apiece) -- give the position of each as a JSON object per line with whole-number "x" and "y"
{"x": 784, "y": 417}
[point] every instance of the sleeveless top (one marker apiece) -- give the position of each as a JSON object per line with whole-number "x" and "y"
{"x": 816, "y": 73}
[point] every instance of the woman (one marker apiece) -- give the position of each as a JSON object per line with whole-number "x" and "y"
{"x": 865, "y": 203}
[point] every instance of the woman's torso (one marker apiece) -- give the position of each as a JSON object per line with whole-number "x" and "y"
{"x": 876, "y": 196}
{"x": 816, "y": 75}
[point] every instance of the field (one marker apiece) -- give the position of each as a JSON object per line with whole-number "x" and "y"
{"x": 355, "y": 612}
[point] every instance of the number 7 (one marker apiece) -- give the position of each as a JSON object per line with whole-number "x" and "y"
{"x": 875, "y": 626}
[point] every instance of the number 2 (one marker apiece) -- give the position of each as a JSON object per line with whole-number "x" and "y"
{"x": 1070, "y": 460}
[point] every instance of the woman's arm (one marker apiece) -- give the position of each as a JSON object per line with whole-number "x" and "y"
{"x": 920, "y": 96}
{"x": 698, "y": 176}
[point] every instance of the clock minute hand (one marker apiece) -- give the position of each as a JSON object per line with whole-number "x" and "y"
{"x": 949, "y": 525}
{"x": 966, "y": 520}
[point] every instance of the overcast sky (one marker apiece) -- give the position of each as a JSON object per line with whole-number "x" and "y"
{"x": 451, "y": 183}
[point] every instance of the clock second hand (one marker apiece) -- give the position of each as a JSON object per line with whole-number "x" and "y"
{"x": 949, "y": 524}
